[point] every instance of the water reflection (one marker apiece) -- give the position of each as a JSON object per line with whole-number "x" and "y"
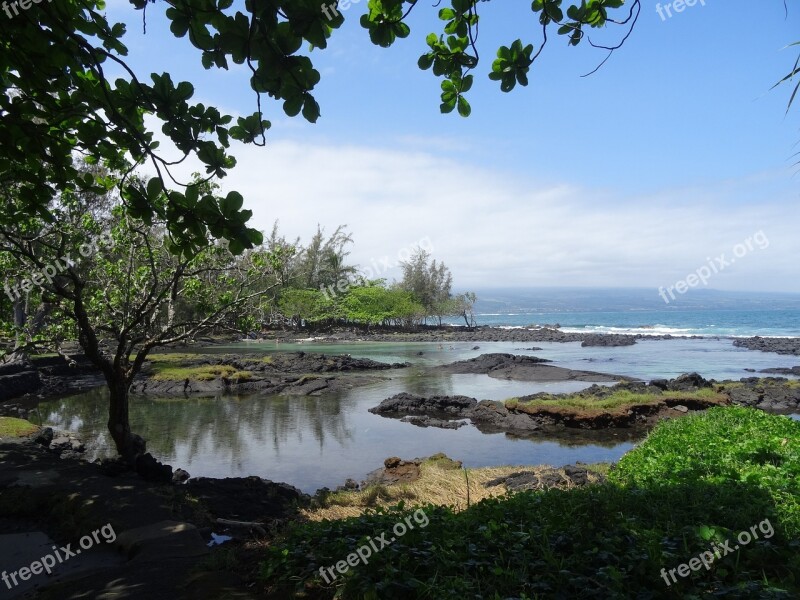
{"x": 313, "y": 442}
{"x": 227, "y": 426}
{"x": 309, "y": 442}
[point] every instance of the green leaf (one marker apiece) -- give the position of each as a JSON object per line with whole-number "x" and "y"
{"x": 425, "y": 61}
{"x": 231, "y": 204}
{"x": 464, "y": 108}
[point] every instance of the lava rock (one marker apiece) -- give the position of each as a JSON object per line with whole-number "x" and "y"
{"x": 179, "y": 476}
{"x": 152, "y": 470}
{"x": 44, "y": 437}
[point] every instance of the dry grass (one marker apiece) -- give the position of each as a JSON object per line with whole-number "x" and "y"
{"x": 438, "y": 485}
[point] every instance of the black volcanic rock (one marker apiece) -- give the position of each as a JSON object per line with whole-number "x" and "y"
{"x": 778, "y": 345}
{"x": 782, "y": 371}
{"x": 608, "y": 340}
{"x": 404, "y": 404}
{"x": 523, "y": 368}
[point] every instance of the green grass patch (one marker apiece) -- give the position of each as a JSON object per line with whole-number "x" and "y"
{"x": 170, "y": 372}
{"x": 693, "y": 481}
{"x": 172, "y": 357}
{"x": 616, "y": 401}
{"x": 12, "y": 427}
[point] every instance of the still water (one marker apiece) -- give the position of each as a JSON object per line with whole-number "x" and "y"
{"x": 313, "y": 442}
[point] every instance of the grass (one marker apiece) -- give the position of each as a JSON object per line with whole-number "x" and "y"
{"x": 170, "y": 357}
{"x": 168, "y": 372}
{"x": 618, "y": 401}
{"x": 693, "y": 482}
{"x": 439, "y": 484}
{"x": 12, "y": 427}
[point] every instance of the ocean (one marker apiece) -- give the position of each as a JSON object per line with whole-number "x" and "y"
{"x": 641, "y": 311}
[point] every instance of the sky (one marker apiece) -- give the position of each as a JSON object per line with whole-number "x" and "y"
{"x": 675, "y": 154}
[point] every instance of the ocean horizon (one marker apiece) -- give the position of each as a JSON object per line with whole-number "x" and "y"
{"x": 641, "y": 311}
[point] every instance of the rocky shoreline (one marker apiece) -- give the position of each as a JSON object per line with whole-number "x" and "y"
{"x": 31, "y": 380}
{"x": 789, "y": 346}
{"x": 293, "y": 374}
{"x": 522, "y": 368}
{"x": 667, "y": 399}
{"x": 460, "y": 334}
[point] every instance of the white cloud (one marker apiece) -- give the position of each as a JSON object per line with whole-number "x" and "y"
{"x": 495, "y": 231}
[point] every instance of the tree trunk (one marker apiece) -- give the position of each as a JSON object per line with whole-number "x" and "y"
{"x": 128, "y": 444}
{"x": 19, "y": 321}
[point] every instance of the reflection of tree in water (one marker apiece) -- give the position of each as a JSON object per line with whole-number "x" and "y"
{"x": 418, "y": 381}
{"x": 223, "y": 426}
{"x": 321, "y": 415}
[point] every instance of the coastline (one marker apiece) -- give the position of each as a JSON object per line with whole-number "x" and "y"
{"x": 487, "y": 333}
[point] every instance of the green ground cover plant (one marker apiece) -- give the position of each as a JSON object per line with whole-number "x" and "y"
{"x": 691, "y": 483}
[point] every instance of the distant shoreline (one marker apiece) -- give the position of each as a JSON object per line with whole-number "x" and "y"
{"x": 449, "y": 333}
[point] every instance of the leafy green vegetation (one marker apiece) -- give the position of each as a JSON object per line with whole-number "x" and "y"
{"x": 694, "y": 481}
{"x": 12, "y": 427}
{"x": 728, "y": 445}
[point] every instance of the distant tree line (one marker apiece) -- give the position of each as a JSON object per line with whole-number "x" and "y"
{"x": 319, "y": 288}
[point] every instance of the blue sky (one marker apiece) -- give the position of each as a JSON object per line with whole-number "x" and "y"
{"x": 672, "y": 154}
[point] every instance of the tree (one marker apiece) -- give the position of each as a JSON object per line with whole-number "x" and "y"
{"x": 114, "y": 283}
{"x": 299, "y": 306}
{"x": 463, "y": 305}
{"x": 322, "y": 262}
{"x": 59, "y": 99}
{"x": 374, "y": 304}
{"x": 429, "y": 283}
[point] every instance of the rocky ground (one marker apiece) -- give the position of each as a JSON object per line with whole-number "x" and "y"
{"x": 460, "y": 334}
{"x": 673, "y": 398}
{"x": 48, "y": 496}
{"x": 46, "y": 376}
{"x": 522, "y": 368}
{"x": 789, "y": 346}
{"x": 295, "y": 373}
